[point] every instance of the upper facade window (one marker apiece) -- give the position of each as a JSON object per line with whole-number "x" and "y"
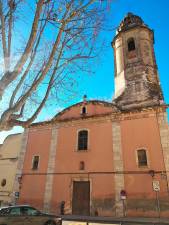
{"x": 142, "y": 157}
{"x": 84, "y": 111}
{"x": 131, "y": 44}
{"x": 35, "y": 162}
{"x": 83, "y": 140}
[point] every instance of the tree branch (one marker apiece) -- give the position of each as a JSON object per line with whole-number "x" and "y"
{"x": 3, "y": 33}
{"x": 10, "y": 76}
{"x": 28, "y": 67}
{"x": 33, "y": 117}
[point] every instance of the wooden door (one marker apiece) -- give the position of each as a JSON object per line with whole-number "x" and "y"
{"x": 81, "y": 198}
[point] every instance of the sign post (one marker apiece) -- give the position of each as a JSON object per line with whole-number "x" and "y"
{"x": 123, "y": 196}
{"x": 17, "y": 195}
{"x": 156, "y": 188}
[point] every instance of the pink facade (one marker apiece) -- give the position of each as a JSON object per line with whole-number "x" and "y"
{"x": 100, "y": 158}
{"x": 32, "y": 191}
{"x": 99, "y": 171}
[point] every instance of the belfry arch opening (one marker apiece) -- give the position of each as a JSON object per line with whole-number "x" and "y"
{"x": 131, "y": 44}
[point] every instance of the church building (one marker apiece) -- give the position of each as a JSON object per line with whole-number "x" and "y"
{"x": 102, "y": 158}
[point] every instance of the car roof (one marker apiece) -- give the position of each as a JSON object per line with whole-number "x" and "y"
{"x": 14, "y": 206}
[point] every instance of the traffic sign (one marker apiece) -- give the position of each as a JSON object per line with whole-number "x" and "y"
{"x": 123, "y": 194}
{"x": 17, "y": 194}
{"x": 156, "y": 185}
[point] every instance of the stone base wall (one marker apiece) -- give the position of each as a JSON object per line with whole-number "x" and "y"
{"x": 148, "y": 207}
{"x": 103, "y": 206}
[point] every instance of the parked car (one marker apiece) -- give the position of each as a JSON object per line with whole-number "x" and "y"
{"x": 26, "y": 215}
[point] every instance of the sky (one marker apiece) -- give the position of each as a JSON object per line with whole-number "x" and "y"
{"x": 100, "y": 85}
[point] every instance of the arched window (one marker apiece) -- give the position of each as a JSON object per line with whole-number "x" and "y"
{"x": 82, "y": 140}
{"x": 142, "y": 157}
{"x": 82, "y": 165}
{"x": 131, "y": 44}
{"x": 83, "y": 110}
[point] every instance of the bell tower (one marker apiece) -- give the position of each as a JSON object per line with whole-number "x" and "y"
{"x": 136, "y": 76}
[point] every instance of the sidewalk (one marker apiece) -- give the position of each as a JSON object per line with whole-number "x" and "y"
{"x": 113, "y": 220}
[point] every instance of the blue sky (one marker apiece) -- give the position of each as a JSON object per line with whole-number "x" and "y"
{"x": 100, "y": 85}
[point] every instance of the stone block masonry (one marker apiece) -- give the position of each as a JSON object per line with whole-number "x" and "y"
{"x": 50, "y": 170}
{"x": 118, "y": 166}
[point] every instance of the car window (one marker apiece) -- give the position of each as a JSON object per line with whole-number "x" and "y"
{"x": 4, "y": 211}
{"x": 29, "y": 211}
{"x": 15, "y": 211}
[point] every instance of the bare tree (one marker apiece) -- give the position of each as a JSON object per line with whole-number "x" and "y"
{"x": 42, "y": 55}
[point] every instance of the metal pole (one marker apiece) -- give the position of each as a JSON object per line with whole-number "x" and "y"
{"x": 124, "y": 213}
{"x": 158, "y": 203}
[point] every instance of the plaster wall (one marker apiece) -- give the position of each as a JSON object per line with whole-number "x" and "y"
{"x": 91, "y": 109}
{"x": 33, "y": 181}
{"x": 107, "y": 177}
{"x": 98, "y": 159}
{"x": 9, "y": 153}
{"x": 143, "y": 133}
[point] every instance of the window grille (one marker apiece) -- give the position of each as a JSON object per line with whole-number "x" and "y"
{"x": 83, "y": 140}
{"x": 142, "y": 157}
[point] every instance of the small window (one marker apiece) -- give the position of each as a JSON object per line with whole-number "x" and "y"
{"x": 35, "y": 162}
{"x": 142, "y": 157}
{"x": 83, "y": 110}
{"x": 29, "y": 211}
{"x": 4, "y": 211}
{"x": 82, "y": 140}
{"x": 131, "y": 44}
{"x": 3, "y": 182}
{"x": 15, "y": 211}
{"x": 82, "y": 165}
